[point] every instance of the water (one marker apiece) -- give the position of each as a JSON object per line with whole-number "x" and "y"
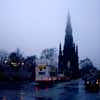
{"x": 73, "y": 90}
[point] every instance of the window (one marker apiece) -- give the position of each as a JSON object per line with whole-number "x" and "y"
{"x": 41, "y": 73}
{"x": 52, "y": 74}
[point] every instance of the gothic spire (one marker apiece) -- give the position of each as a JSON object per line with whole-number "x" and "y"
{"x": 60, "y": 50}
{"x": 68, "y": 29}
{"x": 68, "y": 35}
{"x": 60, "y": 59}
{"x": 77, "y": 52}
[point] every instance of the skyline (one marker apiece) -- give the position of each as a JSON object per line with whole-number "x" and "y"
{"x": 24, "y": 24}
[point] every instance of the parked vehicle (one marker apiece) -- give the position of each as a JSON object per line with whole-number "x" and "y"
{"x": 92, "y": 84}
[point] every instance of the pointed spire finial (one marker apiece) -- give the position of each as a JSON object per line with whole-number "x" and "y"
{"x": 68, "y": 17}
{"x": 60, "y": 49}
{"x": 68, "y": 26}
{"x": 60, "y": 45}
{"x": 68, "y": 30}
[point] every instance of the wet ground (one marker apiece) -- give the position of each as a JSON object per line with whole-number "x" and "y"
{"x": 73, "y": 90}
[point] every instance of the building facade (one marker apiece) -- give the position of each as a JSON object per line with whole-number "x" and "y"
{"x": 45, "y": 72}
{"x": 68, "y": 57}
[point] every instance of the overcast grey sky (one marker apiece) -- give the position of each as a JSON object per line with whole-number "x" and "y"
{"x": 33, "y": 25}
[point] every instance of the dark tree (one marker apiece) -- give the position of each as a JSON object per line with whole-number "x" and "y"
{"x": 48, "y": 55}
{"x": 30, "y": 64}
{"x": 15, "y": 60}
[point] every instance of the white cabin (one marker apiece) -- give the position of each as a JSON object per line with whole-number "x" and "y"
{"x": 45, "y": 72}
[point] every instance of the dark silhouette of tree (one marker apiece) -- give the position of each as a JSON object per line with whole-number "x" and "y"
{"x": 30, "y": 64}
{"x": 87, "y": 69}
{"x": 16, "y": 59}
{"x": 48, "y": 54}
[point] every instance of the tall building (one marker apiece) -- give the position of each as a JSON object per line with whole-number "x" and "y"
{"x": 60, "y": 60}
{"x": 68, "y": 58}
